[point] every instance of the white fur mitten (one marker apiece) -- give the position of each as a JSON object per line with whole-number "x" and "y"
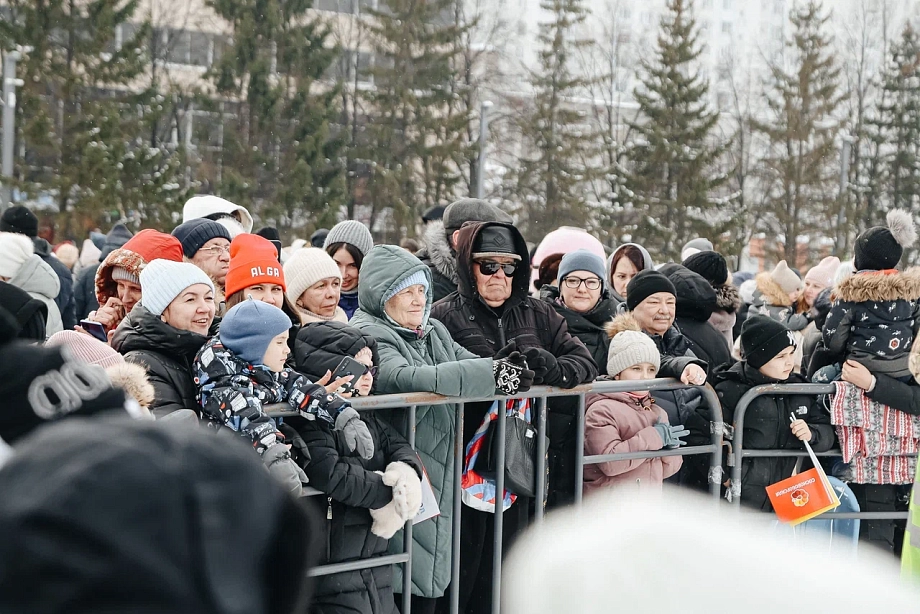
{"x": 407, "y": 489}
{"x": 387, "y": 521}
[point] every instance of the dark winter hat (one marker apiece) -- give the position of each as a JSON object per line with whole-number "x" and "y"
{"x": 645, "y": 284}
{"x": 271, "y": 233}
{"x": 762, "y": 338}
{"x": 320, "y": 347}
{"x": 582, "y": 260}
{"x": 249, "y": 327}
{"x": 41, "y": 384}
{"x": 881, "y": 248}
{"x": 696, "y": 298}
{"x": 126, "y": 516}
{"x": 195, "y": 233}
{"x": 319, "y": 237}
{"x": 20, "y": 220}
{"x": 434, "y": 213}
{"x": 466, "y": 210}
{"x": 822, "y": 307}
{"x": 711, "y": 265}
{"x": 29, "y": 314}
{"x": 495, "y": 241}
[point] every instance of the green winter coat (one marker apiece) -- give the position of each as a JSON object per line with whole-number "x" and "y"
{"x": 424, "y": 361}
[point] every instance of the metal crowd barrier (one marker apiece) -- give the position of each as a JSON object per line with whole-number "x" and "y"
{"x": 739, "y": 453}
{"x": 411, "y": 400}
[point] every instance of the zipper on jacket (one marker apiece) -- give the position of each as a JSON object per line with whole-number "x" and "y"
{"x": 329, "y": 509}
{"x": 501, "y": 333}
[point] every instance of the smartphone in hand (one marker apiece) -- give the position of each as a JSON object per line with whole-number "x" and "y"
{"x": 95, "y": 329}
{"x": 349, "y": 366}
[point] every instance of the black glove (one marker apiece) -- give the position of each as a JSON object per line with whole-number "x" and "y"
{"x": 299, "y": 451}
{"x": 511, "y": 374}
{"x": 544, "y": 365}
{"x": 506, "y": 351}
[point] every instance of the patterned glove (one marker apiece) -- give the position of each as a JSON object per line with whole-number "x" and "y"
{"x": 357, "y": 436}
{"x": 313, "y": 401}
{"x": 670, "y": 435}
{"x": 545, "y": 367}
{"x": 511, "y": 374}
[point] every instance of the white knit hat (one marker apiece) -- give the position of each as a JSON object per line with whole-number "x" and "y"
{"x": 786, "y": 278}
{"x": 15, "y": 249}
{"x": 629, "y": 348}
{"x": 163, "y": 280}
{"x": 306, "y": 267}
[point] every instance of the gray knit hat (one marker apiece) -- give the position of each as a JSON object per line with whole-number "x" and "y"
{"x": 582, "y": 260}
{"x": 629, "y": 348}
{"x": 163, "y": 280}
{"x": 472, "y": 210}
{"x": 353, "y": 233}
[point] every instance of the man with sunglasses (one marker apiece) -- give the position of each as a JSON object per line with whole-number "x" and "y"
{"x": 206, "y": 244}
{"x": 492, "y": 309}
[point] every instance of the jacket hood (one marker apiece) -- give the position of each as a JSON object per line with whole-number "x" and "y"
{"x": 383, "y": 268}
{"x": 696, "y": 299}
{"x": 132, "y": 378}
{"x": 42, "y": 247}
{"x": 728, "y": 298}
{"x": 106, "y": 287}
{"x": 863, "y": 287}
{"x": 520, "y": 284}
{"x": 321, "y": 347}
{"x": 141, "y": 330}
{"x": 437, "y": 250}
{"x": 621, "y": 397}
{"x": 623, "y": 322}
{"x": 646, "y": 258}
{"x": 36, "y": 276}
{"x": 108, "y": 515}
{"x": 771, "y": 291}
{"x": 118, "y": 236}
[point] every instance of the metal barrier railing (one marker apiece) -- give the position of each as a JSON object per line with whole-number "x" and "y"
{"x": 739, "y": 453}
{"x": 541, "y": 394}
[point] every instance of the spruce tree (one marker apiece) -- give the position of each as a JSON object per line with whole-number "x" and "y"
{"x": 560, "y": 146}
{"x": 673, "y": 154}
{"x": 801, "y": 165}
{"x": 83, "y": 132}
{"x": 414, "y": 138}
{"x": 282, "y": 155}
{"x": 898, "y": 124}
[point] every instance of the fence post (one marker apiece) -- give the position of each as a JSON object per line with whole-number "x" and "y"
{"x": 499, "y": 509}
{"x": 407, "y": 566}
{"x": 715, "y": 425}
{"x": 458, "y": 506}
{"x": 580, "y": 448}
{"x": 540, "y": 503}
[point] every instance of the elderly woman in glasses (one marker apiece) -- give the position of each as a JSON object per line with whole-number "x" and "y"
{"x": 585, "y": 302}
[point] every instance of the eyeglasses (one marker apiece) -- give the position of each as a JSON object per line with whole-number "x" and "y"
{"x": 592, "y": 283}
{"x": 372, "y": 371}
{"x": 488, "y": 267}
{"x": 216, "y": 250}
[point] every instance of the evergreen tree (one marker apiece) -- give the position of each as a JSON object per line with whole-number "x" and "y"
{"x": 282, "y": 154}
{"x": 673, "y": 176}
{"x": 84, "y": 133}
{"x": 559, "y": 145}
{"x": 801, "y": 170}
{"x": 416, "y": 124}
{"x": 898, "y": 124}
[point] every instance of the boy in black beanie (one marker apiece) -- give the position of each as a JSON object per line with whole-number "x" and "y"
{"x": 767, "y": 349}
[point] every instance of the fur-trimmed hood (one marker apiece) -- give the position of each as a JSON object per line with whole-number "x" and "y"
{"x": 728, "y": 299}
{"x": 880, "y": 286}
{"x": 106, "y": 287}
{"x": 132, "y": 378}
{"x": 623, "y": 322}
{"x": 771, "y": 291}
{"x": 437, "y": 251}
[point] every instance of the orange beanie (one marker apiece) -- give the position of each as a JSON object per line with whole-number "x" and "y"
{"x": 253, "y": 260}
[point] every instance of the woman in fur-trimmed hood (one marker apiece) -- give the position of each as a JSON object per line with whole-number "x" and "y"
{"x": 875, "y": 314}
{"x": 775, "y": 297}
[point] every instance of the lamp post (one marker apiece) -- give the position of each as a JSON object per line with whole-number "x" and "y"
{"x": 483, "y": 142}
{"x": 10, "y": 82}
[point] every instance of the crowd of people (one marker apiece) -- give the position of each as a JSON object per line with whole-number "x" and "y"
{"x": 200, "y": 329}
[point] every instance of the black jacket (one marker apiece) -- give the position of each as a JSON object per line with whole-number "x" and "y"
{"x": 64, "y": 299}
{"x": 696, "y": 300}
{"x": 588, "y": 327}
{"x": 529, "y": 321}
{"x": 766, "y": 427}
{"x": 897, "y": 394}
{"x": 166, "y": 353}
{"x": 352, "y": 488}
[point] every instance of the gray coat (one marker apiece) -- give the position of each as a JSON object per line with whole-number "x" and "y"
{"x": 428, "y": 360}
{"x": 37, "y": 278}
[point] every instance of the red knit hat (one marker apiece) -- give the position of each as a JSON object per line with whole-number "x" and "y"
{"x": 133, "y": 256}
{"x": 150, "y": 244}
{"x": 253, "y": 260}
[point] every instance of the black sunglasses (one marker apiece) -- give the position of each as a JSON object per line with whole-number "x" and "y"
{"x": 488, "y": 267}
{"x": 372, "y": 371}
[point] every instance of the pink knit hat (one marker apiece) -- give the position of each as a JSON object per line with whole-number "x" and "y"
{"x": 823, "y": 272}
{"x": 86, "y": 349}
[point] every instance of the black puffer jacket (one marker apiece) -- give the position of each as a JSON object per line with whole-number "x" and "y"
{"x": 529, "y": 321}
{"x": 588, "y": 327}
{"x": 166, "y": 353}
{"x": 766, "y": 427}
{"x": 696, "y": 300}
